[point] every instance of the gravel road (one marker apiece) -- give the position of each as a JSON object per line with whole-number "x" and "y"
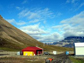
{"x": 61, "y": 58}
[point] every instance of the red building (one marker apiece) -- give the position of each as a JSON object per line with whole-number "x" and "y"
{"x": 36, "y": 50}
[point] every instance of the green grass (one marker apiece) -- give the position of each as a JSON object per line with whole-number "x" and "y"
{"x": 56, "y": 48}
{"x": 8, "y": 49}
{"x": 45, "y": 48}
{"x": 76, "y": 60}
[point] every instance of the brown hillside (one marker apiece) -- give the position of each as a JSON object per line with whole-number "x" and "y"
{"x": 14, "y": 36}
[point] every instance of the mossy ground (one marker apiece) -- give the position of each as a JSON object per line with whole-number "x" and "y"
{"x": 76, "y": 60}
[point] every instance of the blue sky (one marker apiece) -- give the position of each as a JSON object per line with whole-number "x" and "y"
{"x": 45, "y": 20}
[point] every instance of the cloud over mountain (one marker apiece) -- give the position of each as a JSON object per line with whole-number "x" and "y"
{"x": 72, "y": 26}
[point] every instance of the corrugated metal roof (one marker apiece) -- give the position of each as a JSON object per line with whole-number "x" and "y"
{"x": 32, "y": 48}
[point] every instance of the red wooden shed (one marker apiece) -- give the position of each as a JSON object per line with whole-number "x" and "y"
{"x": 36, "y": 50}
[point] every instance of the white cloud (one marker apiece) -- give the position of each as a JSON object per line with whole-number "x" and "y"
{"x": 82, "y": 4}
{"x": 10, "y": 20}
{"x": 41, "y": 35}
{"x": 58, "y": 14}
{"x": 23, "y": 13}
{"x": 44, "y": 22}
{"x": 71, "y": 1}
{"x": 28, "y": 14}
{"x": 54, "y": 37}
{"x": 73, "y": 33}
{"x": 77, "y": 19}
{"x": 34, "y": 21}
{"x": 14, "y": 22}
{"x": 72, "y": 26}
{"x": 20, "y": 23}
{"x": 32, "y": 15}
{"x": 38, "y": 33}
{"x": 33, "y": 30}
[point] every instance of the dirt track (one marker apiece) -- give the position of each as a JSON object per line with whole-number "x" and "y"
{"x": 61, "y": 58}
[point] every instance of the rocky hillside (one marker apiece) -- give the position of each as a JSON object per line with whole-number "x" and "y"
{"x": 73, "y": 39}
{"x": 69, "y": 41}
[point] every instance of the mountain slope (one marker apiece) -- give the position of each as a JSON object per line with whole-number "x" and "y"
{"x": 73, "y": 39}
{"x": 69, "y": 41}
{"x": 11, "y": 35}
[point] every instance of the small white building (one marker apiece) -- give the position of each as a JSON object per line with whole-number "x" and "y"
{"x": 79, "y": 48}
{"x": 54, "y": 52}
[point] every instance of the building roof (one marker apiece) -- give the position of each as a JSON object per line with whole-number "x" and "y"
{"x": 79, "y": 44}
{"x": 32, "y": 48}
